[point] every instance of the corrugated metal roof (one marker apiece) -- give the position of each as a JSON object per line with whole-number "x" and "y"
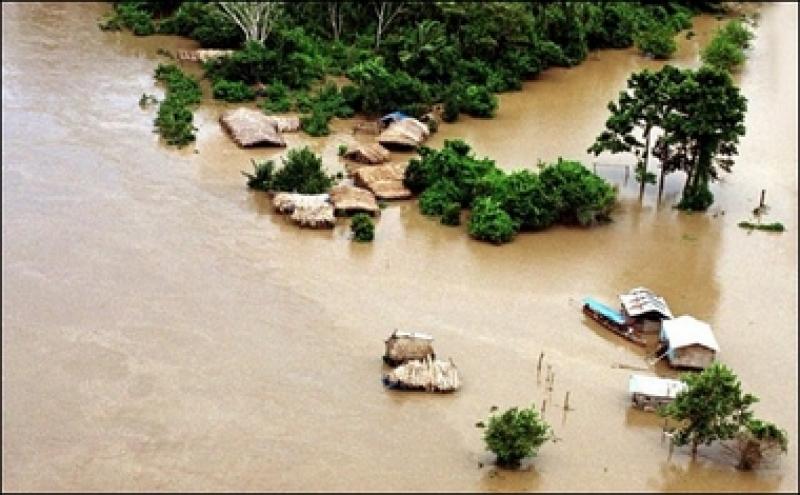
{"x": 654, "y": 386}
{"x": 604, "y": 310}
{"x": 641, "y": 300}
{"x": 686, "y": 330}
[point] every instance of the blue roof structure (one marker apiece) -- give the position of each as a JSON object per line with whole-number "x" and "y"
{"x": 604, "y": 310}
{"x": 394, "y": 117}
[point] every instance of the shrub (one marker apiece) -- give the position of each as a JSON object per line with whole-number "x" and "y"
{"x": 205, "y": 23}
{"x": 232, "y": 91}
{"x": 478, "y": 102}
{"x": 515, "y": 434}
{"x": 362, "y": 228}
{"x": 277, "y": 98}
{"x": 263, "y": 177}
{"x": 341, "y": 150}
{"x": 769, "y": 227}
{"x": 578, "y": 195}
{"x": 438, "y": 196}
{"x": 525, "y": 198}
{"x": 696, "y": 198}
{"x": 451, "y": 214}
{"x": 656, "y": 41}
{"x": 302, "y": 172}
{"x": 722, "y": 54}
{"x": 488, "y": 222}
{"x": 316, "y": 123}
{"x": 174, "y": 119}
{"x": 451, "y": 108}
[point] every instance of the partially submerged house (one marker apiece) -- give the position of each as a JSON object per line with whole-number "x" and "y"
{"x": 306, "y": 210}
{"x": 650, "y": 392}
{"x": 404, "y": 346}
{"x": 406, "y": 133}
{"x": 249, "y": 127}
{"x": 385, "y": 181}
{"x": 347, "y": 200}
{"x": 688, "y": 342}
{"x": 644, "y": 309}
{"x": 371, "y": 154}
{"x": 427, "y": 374}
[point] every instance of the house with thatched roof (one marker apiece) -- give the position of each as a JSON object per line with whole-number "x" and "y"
{"x": 347, "y": 200}
{"x": 405, "y": 346}
{"x": 405, "y": 133}
{"x": 202, "y": 54}
{"x": 644, "y": 309}
{"x": 427, "y": 374}
{"x": 306, "y": 210}
{"x": 249, "y": 127}
{"x": 689, "y": 342}
{"x": 385, "y": 181}
{"x": 370, "y": 154}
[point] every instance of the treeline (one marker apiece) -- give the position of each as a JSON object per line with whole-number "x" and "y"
{"x": 405, "y": 56}
{"x": 503, "y": 204}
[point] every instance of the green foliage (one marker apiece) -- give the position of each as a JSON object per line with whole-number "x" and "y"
{"x": 696, "y": 198}
{"x": 362, "y": 228}
{"x": 478, "y": 102}
{"x": 174, "y": 119}
{"x": 263, "y": 177}
{"x": 516, "y": 434}
{"x": 527, "y": 200}
{"x": 302, "y": 173}
{"x": 436, "y": 198}
{"x": 316, "y": 123}
{"x": 578, "y": 195}
{"x": 726, "y": 49}
{"x": 232, "y": 91}
{"x": 769, "y": 227}
{"x": 451, "y": 215}
{"x": 381, "y": 90}
{"x": 277, "y": 98}
{"x": 657, "y": 42}
{"x": 341, "y": 150}
{"x": 488, "y": 222}
{"x": 712, "y": 407}
{"x": 205, "y": 23}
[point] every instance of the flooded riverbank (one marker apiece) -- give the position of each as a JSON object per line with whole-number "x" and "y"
{"x": 164, "y": 330}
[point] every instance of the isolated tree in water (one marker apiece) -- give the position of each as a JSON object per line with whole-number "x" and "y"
{"x": 515, "y": 434}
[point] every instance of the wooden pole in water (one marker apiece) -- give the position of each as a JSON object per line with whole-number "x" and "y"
{"x": 761, "y": 203}
{"x": 544, "y": 404}
{"x": 566, "y": 401}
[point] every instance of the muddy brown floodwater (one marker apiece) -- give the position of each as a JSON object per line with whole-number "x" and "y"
{"x": 164, "y": 330}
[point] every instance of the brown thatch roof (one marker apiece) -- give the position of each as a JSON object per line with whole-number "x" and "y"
{"x": 286, "y": 123}
{"x": 406, "y": 133}
{"x": 428, "y": 374}
{"x": 249, "y": 127}
{"x": 202, "y": 54}
{"x": 367, "y": 153}
{"x": 385, "y": 181}
{"x": 404, "y": 346}
{"x": 348, "y": 199}
{"x": 307, "y": 210}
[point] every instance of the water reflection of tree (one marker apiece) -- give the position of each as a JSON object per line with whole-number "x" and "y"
{"x": 710, "y": 475}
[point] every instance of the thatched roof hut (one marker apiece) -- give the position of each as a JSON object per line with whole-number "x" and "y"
{"x": 202, "y": 55}
{"x": 285, "y": 123}
{"x": 249, "y": 127}
{"x": 404, "y": 134}
{"x": 349, "y": 199}
{"x": 286, "y": 202}
{"x": 385, "y": 181}
{"x": 428, "y": 375}
{"x": 404, "y": 346}
{"x": 314, "y": 216}
{"x": 367, "y": 153}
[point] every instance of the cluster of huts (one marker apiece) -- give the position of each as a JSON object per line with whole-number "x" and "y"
{"x": 373, "y": 178}
{"x": 414, "y": 364}
{"x": 686, "y": 342}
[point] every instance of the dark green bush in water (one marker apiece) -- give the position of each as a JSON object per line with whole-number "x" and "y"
{"x": 174, "y": 120}
{"x": 362, "y": 228}
{"x": 488, "y": 222}
{"x": 516, "y": 434}
{"x": 302, "y": 172}
{"x": 264, "y": 174}
{"x": 435, "y": 199}
{"x": 452, "y": 214}
{"x": 232, "y": 91}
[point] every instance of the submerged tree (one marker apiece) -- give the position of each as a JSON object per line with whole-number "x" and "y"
{"x": 515, "y": 435}
{"x": 255, "y": 19}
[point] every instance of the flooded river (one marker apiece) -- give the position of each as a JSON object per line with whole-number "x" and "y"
{"x": 164, "y": 330}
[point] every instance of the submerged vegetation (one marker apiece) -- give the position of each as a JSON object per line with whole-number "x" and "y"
{"x": 174, "y": 120}
{"x": 516, "y": 434}
{"x": 362, "y": 228}
{"x": 403, "y": 56}
{"x": 769, "y": 227}
{"x": 302, "y": 172}
{"x": 503, "y": 204}
{"x": 726, "y": 49}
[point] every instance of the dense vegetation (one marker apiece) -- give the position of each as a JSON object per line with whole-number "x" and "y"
{"x": 174, "y": 120}
{"x": 362, "y": 228}
{"x": 726, "y": 49}
{"x": 714, "y": 408}
{"x": 701, "y": 114}
{"x": 503, "y": 204}
{"x": 408, "y": 56}
{"x": 516, "y": 434}
{"x": 302, "y": 172}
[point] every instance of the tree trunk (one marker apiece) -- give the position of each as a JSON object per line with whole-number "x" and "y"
{"x": 661, "y": 179}
{"x": 694, "y": 449}
{"x": 646, "y": 156}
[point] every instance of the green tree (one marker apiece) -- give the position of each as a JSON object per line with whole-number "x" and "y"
{"x": 302, "y": 172}
{"x": 489, "y": 222}
{"x": 657, "y": 41}
{"x": 516, "y": 434}
{"x": 712, "y": 407}
{"x": 362, "y": 228}
{"x": 756, "y": 441}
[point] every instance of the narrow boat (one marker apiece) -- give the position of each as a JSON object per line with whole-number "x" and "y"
{"x": 612, "y": 320}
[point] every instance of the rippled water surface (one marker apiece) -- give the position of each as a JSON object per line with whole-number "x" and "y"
{"x": 164, "y": 330}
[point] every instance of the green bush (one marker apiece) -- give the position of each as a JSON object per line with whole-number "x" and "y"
{"x": 488, "y": 222}
{"x": 362, "y": 228}
{"x": 316, "y": 123}
{"x": 302, "y": 172}
{"x": 232, "y": 91}
{"x": 515, "y": 435}
{"x": 478, "y": 102}
{"x": 277, "y": 98}
{"x": 174, "y": 119}
{"x": 263, "y": 177}
{"x": 722, "y": 53}
{"x": 769, "y": 227}
{"x": 578, "y": 195}
{"x": 451, "y": 214}
{"x": 435, "y": 199}
{"x": 524, "y": 197}
{"x": 697, "y": 198}
{"x": 658, "y": 41}
{"x": 737, "y": 33}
